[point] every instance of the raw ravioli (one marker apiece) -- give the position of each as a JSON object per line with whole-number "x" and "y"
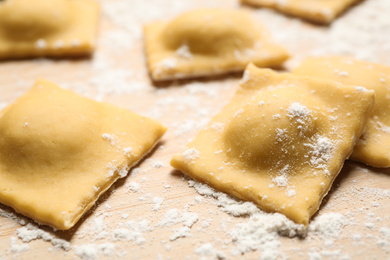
{"x": 373, "y": 147}
{"x": 321, "y": 11}
{"x": 208, "y": 42}
{"x": 59, "y": 152}
{"x": 280, "y": 142}
{"x": 49, "y": 28}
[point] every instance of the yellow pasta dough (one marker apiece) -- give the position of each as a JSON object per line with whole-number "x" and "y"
{"x": 59, "y": 152}
{"x": 280, "y": 142}
{"x": 208, "y": 42}
{"x": 373, "y": 147}
{"x": 51, "y": 28}
{"x": 321, "y": 11}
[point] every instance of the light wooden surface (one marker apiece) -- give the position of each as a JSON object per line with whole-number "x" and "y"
{"x": 117, "y": 74}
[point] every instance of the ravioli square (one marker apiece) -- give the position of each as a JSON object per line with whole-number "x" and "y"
{"x": 373, "y": 148}
{"x": 59, "y": 152}
{"x": 280, "y": 142}
{"x": 208, "y": 42}
{"x": 320, "y": 11}
{"x": 47, "y": 28}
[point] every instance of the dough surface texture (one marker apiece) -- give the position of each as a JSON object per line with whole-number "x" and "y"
{"x": 59, "y": 152}
{"x": 47, "y": 28}
{"x": 208, "y": 42}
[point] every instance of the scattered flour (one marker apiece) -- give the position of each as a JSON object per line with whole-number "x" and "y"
{"x": 156, "y": 163}
{"x": 297, "y": 110}
{"x": 340, "y": 39}
{"x": 92, "y": 251}
{"x": 280, "y": 181}
{"x": 262, "y": 232}
{"x": 115, "y": 167}
{"x": 97, "y": 228}
{"x": 31, "y": 232}
{"x": 165, "y": 64}
{"x": 20, "y": 220}
{"x": 218, "y": 126}
{"x": 182, "y": 232}
{"x": 184, "y": 52}
{"x": 104, "y": 78}
{"x": 321, "y": 152}
{"x": 132, "y": 231}
{"x": 207, "y": 251}
{"x": 291, "y": 192}
{"x": 157, "y": 201}
{"x": 301, "y": 115}
{"x": 133, "y": 186}
{"x": 174, "y": 216}
{"x": 328, "y": 226}
{"x": 17, "y": 248}
{"x": 383, "y": 241}
{"x": 127, "y": 151}
{"x": 191, "y": 154}
{"x": 189, "y": 125}
{"x": 111, "y": 138}
{"x": 40, "y": 44}
{"x": 225, "y": 202}
{"x": 361, "y": 89}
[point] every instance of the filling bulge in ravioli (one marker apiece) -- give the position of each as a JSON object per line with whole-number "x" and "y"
{"x": 47, "y": 17}
{"x": 270, "y": 135}
{"x": 280, "y": 142}
{"x": 208, "y": 42}
{"x": 219, "y": 33}
{"x": 59, "y": 152}
{"x": 47, "y": 28}
{"x": 28, "y": 141}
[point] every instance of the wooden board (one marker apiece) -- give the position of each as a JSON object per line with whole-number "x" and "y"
{"x": 117, "y": 74}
